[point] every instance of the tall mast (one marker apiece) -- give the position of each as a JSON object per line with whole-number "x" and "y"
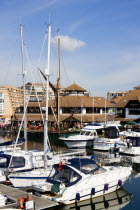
{"x": 24, "y": 95}
{"x": 47, "y": 72}
{"x": 105, "y": 113}
{"x": 93, "y": 109}
{"x": 58, "y": 86}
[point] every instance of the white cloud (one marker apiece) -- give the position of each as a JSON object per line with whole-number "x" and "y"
{"x": 68, "y": 43}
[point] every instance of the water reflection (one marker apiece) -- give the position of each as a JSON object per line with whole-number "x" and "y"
{"x": 114, "y": 200}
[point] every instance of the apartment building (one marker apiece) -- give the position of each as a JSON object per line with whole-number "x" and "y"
{"x": 10, "y": 99}
{"x": 115, "y": 94}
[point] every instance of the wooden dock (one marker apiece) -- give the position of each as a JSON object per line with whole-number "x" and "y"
{"x": 14, "y": 194}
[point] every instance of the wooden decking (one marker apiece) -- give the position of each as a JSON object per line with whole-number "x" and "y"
{"x": 14, "y": 194}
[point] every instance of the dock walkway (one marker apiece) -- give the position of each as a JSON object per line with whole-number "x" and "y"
{"x": 14, "y": 194}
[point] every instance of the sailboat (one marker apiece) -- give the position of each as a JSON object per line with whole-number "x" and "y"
{"x": 24, "y": 179}
{"x": 17, "y": 159}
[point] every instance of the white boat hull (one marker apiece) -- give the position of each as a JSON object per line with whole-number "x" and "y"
{"x": 94, "y": 186}
{"x": 78, "y": 143}
{"x": 103, "y": 144}
{"x": 27, "y": 179}
{"x": 115, "y": 200}
{"x": 130, "y": 151}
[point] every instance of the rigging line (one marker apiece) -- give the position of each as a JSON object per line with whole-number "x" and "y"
{"x": 21, "y": 124}
{"x": 33, "y": 84}
{"x": 65, "y": 70}
{"x": 43, "y": 44}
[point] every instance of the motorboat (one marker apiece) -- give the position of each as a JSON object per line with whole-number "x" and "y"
{"x": 80, "y": 179}
{"x": 92, "y": 126}
{"x": 84, "y": 139}
{"x": 110, "y": 140}
{"x": 112, "y": 201}
{"x": 27, "y": 178}
{"x": 127, "y": 133}
{"x": 111, "y": 124}
{"x": 20, "y": 141}
{"x": 132, "y": 147}
{"x": 10, "y": 145}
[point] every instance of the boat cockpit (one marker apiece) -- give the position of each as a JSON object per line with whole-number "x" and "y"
{"x": 71, "y": 172}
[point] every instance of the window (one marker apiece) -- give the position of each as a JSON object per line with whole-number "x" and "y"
{"x": 17, "y": 162}
{"x": 134, "y": 111}
{"x": 1, "y": 103}
{"x": 76, "y": 110}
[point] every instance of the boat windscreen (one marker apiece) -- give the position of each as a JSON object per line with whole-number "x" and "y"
{"x": 135, "y": 141}
{"x": 88, "y": 133}
{"x": 84, "y": 165}
{"x": 82, "y": 133}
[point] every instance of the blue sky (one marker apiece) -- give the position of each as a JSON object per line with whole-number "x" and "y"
{"x": 100, "y": 42}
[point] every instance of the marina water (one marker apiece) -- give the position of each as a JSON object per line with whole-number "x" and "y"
{"x": 130, "y": 199}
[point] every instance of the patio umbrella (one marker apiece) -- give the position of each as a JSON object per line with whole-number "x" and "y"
{"x": 132, "y": 123}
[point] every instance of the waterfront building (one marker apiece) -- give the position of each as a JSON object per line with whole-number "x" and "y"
{"x": 35, "y": 91}
{"x": 10, "y": 99}
{"x": 76, "y": 106}
{"x": 128, "y": 108}
{"x": 115, "y": 94}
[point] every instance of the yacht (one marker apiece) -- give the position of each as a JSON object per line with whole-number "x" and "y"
{"x": 108, "y": 140}
{"x": 80, "y": 179}
{"x": 84, "y": 139}
{"x": 132, "y": 147}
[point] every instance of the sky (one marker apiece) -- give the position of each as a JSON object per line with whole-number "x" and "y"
{"x": 99, "y": 39}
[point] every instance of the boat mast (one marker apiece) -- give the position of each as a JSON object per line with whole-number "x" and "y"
{"x": 105, "y": 113}
{"x": 93, "y": 109}
{"x": 24, "y": 95}
{"x": 58, "y": 86}
{"x": 47, "y": 72}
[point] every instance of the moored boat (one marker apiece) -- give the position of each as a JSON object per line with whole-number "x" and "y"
{"x": 81, "y": 179}
{"x": 132, "y": 147}
{"x": 84, "y": 139}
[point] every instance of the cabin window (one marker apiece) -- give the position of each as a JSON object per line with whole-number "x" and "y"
{"x": 17, "y": 162}
{"x": 3, "y": 162}
{"x": 87, "y": 133}
{"x": 82, "y": 133}
{"x": 74, "y": 178}
{"x": 93, "y": 134}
